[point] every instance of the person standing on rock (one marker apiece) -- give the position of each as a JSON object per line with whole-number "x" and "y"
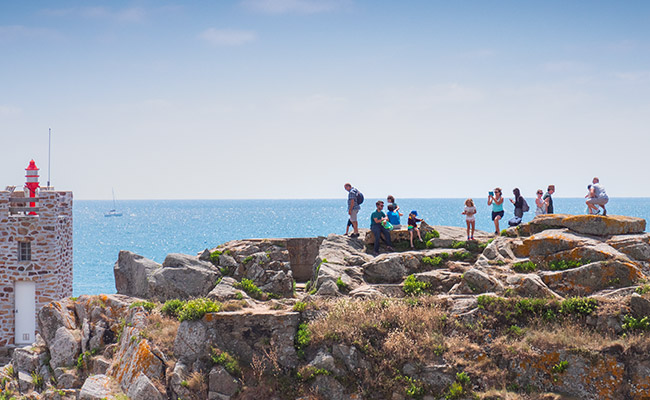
{"x": 597, "y": 197}
{"x": 540, "y": 203}
{"x": 548, "y": 199}
{"x": 353, "y": 207}
{"x": 496, "y": 201}
{"x": 376, "y": 220}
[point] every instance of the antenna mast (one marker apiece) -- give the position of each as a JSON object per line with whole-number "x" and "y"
{"x": 49, "y": 147}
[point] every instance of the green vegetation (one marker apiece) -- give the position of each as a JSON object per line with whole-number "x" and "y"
{"x": 247, "y": 259}
{"x": 38, "y": 381}
{"x": 147, "y": 305}
{"x": 413, "y": 287}
{"x": 460, "y": 388}
{"x": 561, "y": 265}
{"x": 341, "y": 285}
{"x": 642, "y": 289}
{"x": 414, "y": 388}
{"x": 197, "y": 308}
{"x": 250, "y": 288}
{"x": 227, "y": 361}
{"x": 302, "y": 339}
{"x": 172, "y": 307}
{"x": 458, "y": 244}
{"x": 299, "y": 306}
{"x": 434, "y": 234}
{"x": 434, "y": 262}
{"x": 461, "y": 255}
{"x": 513, "y": 310}
{"x": 524, "y": 267}
{"x": 630, "y": 323}
{"x": 560, "y": 367}
{"x": 309, "y": 372}
{"x": 214, "y": 257}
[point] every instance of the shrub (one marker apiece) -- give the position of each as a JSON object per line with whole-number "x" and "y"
{"x": 172, "y": 307}
{"x": 630, "y": 323}
{"x": 38, "y": 381}
{"x": 455, "y": 391}
{"x": 435, "y": 261}
{"x": 458, "y": 244}
{"x": 197, "y": 308}
{"x": 341, "y": 285}
{"x": 309, "y": 372}
{"x": 462, "y": 378}
{"x": 147, "y": 305}
{"x": 461, "y": 255}
{"x": 414, "y": 287}
{"x": 214, "y": 257}
{"x": 642, "y": 289}
{"x": 299, "y": 306}
{"x": 560, "y": 367}
{"x": 578, "y": 306}
{"x": 250, "y": 288}
{"x": 226, "y": 360}
{"x": 247, "y": 259}
{"x": 561, "y": 265}
{"x": 523, "y": 267}
{"x": 414, "y": 388}
{"x": 303, "y": 336}
{"x": 434, "y": 234}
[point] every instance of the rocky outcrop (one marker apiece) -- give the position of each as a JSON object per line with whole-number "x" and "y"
{"x": 97, "y": 347}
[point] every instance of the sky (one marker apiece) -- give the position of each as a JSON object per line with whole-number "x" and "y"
{"x": 290, "y": 99}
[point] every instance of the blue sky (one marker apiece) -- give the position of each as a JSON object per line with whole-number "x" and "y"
{"x": 293, "y": 98}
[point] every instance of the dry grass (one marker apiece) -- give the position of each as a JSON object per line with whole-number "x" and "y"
{"x": 196, "y": 383}
{"x": 161, "y": 331}
{"x": 392, "y": 328}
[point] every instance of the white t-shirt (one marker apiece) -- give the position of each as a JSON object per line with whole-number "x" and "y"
{"x": 468, "y": 211}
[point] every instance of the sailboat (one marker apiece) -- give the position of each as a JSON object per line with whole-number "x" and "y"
{"x": 113, "y": 212}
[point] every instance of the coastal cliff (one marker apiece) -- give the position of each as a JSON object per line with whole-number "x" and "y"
{"x": 556, "y": 308}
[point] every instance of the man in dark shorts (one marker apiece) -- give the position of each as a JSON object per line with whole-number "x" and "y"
{"x": 548, "y": 199}
{"x": 376, "y": 220}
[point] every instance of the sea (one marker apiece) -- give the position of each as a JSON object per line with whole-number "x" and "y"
{"x": 155, "y": 228}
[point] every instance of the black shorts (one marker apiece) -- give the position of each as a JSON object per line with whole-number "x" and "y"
{"x": 497, "y": 214}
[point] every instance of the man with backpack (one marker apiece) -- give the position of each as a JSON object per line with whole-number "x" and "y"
{"x": 355, "y": 198}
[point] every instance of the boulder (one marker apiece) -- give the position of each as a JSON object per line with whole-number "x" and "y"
{"x": 25, "y": 359}
{"x": 351, "y": 357}
{"x": 97, "y": 387}
{"x": 341, "y": 250}
{"x": 480, "y": 282}
{"x": 55, "y": 315}
{"x": 323, "y": 360}
{"x": 636, "y": 247}
{"x": 596, "y": 225}
{"x": 225, "y": 290}
{"x": 25, "y": 382}
{"x": 329, "y": 388}
{"x": 135, "y": 356}
{"x": 221, "y": 382}
{"x": 144, "y": 389}
{"x": 132, "y": 273}
{"x": 439, "y": 280}
{"x": 531, "y": 285}
{"x": 592, "y": 277}
{"x": 328, "y": 289}
{"x": 387, "y": 268}
{"x": 182, "y": 277}
{"x": 240, "y": 333}
{"x": 65, "y": 348}
{"x": 640, "y": 306}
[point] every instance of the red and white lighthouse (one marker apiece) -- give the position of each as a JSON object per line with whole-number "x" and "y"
{"x": 31, "y": 182}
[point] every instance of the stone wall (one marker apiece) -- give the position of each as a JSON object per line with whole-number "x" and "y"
{"x": 50, "y": 267}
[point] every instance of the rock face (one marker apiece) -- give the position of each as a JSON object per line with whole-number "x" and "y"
{"x": 97, "y": 347}
{"x": 242, "y": 334}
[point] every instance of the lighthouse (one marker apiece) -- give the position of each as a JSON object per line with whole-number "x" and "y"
{"x": 35, "y": 255}
{"x": 31, "y": 182}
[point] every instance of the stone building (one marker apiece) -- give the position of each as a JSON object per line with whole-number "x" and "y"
{"x": 35, "y": 257}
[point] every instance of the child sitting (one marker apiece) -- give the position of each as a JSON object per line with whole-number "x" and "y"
{"x": 393, "y": 216}
{"x": 413, "y": 226}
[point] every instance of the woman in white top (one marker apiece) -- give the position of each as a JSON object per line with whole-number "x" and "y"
{"x": 470, "y": 219}
{"x": 540, "y": 203}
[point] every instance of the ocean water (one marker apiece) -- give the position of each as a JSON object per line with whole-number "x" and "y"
{"x": 155, "y": 228}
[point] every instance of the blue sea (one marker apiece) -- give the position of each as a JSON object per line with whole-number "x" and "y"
{"x": 154, "y": 228}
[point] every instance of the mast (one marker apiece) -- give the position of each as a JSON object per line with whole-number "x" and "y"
{"x": 49, "y": 147}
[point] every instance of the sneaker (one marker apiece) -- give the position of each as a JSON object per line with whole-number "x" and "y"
{"x": 604, "y": 213}
{"x": 472, "y": 238}
{"x": 354, "y": 235}
{"x": 597, "y": 211}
